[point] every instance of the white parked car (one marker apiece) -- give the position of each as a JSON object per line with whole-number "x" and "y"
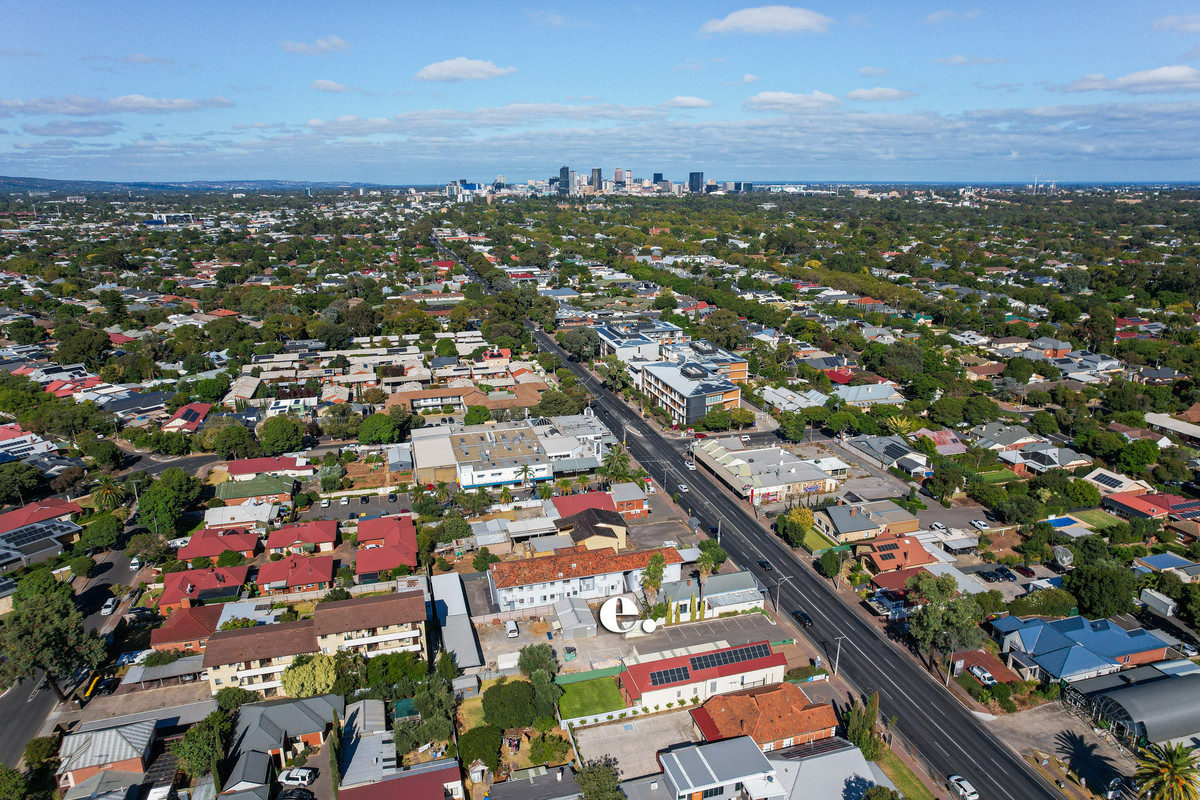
{"x": 345, "y": 501}
{"x": 325, "y": 503}
{"x": 982, "y": 675}
{"x": 135, "y": 564}
{"x": 962, "y": 787}
{"x": 745, "y": 437}
{"x": 683, "y": 488}
{"x": 110, "y": 605}
{"x": 298, "y": 776}
{"x": 937, "y": 526}
{"x": 979, "y": 524}
{"x": 690, "y": 464}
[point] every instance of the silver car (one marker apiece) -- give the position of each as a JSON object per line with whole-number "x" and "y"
{"x": 962, "y": 787}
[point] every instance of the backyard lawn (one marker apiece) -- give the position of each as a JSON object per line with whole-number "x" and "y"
{"x": 814, "y": 541}
{"x": 998, "y": 476}
{"x": 590, "y": 697}
{"x": 1096, "y": 518}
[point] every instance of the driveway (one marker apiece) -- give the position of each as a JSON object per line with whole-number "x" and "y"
{"x": 375, "y": 505}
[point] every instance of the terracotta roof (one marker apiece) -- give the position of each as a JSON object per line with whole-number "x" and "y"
{"x": 175, "y": 584}
{"x": 890, "y": 553}
{"x": 577, "y": 564}
{"x": 187, "y": 625}
{"x": 392, "y": 531}
{"x": 765, "y": 714}
{"x": 253, "y": 466}
{"x": 211, "y": 542}
{"x": 315, "y": 532}
{"x": 296, "y": 571}
{"x": 189, "y": 417}
{"x": 50, "y": 508}
{"x": 261, "y": 641}
{"x": 369, "y": 612}
{"x": 372, "y": 560}
{"x": 571, "y": 504}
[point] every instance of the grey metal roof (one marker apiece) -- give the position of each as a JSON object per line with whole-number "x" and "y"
{"x": 1168, "y": 709}
{"x": 538, "y": 783}
{"x": 190, "y": 665}
{"x": 458, "y": 634}
{"x": 714, "y": 764}
{"x": 105, "y": 746}
{"x": 262, "y": 726}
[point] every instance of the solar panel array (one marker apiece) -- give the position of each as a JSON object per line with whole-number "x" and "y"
{"x": 886, "y": 547}
{"x": 672, "y": 675}
{"x": 894, "y": 451}
{"x": 1111, "y": 481}
{"x": 190, "y": 415}
{"x": 736, "y": 655}
{"x": 39, "y": 530}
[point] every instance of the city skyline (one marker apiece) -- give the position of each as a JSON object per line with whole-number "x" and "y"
{"x": 921, "y": 92}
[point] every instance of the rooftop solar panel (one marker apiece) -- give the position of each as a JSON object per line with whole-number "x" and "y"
{"x": 886, "y": 547}
{"x": 720, "y": 658}
{"x": 673, "y": 675}
{"x": 1111, "y": 481}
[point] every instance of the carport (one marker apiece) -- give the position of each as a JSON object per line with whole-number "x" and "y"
{"x": 185, "y": 670}
{"x": 1164, "y": 710}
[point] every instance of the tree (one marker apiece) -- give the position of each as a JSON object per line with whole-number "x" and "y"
{"x": 1102, "y": 590}
{"x": 482, "y": 743}
{"x": 281, "y": 434}
{"x": 17, "y": 480}
{"x": 545, "y": 693}
{"x": 107, "y": 493}
{"x": 1019, "y": 369}
{"x": 946, "y": 479}
{"x": 1136, "y": 456}
{"x": 600, "y": 780}
{"x": 1167, "y": 772}
{"x": 105, "y": 455}
{"x": 232, "y": 698}
{"x": 652, "y": 575}
{"x": 235, "y": 441}
{"x": 615, "y": 464}
{"x": 830, "y": 564}
{"x": 101, "y": 533}
{"x": 534, "y": 657}
{"x": 45, "y": 632}
{"x": 230, "y": 558}
{"x": 39, "y": 752}
{"x": 236, "y": 623}
{"x": 861, "y": 720}
{"x": 881, "y": 793}
{"x": 943, "y": 620}
{"x": 86, "y": 346}
{"x": 12, "y": 783}
{"x": 614, "y": 372}
{"x": 582, "y": 343}
{"x": 310, "y": 677}
{"x": 162, "y": 505}
{"x": 476, "y": 415}
{"x": 149, "y": 548}
{"x": 509, "y": 704}
{"x": 724, "y": 329}
{"x": 201, "y": 748}
{"x": 379, "y": 429}
{"x": 81, "y": 566}
{"x": 979, "y": 410}
{"x": 483, "y": 559}
{"x": 445, "y": 667}
{"x": 26, "y": 331}
{"x": 1043, "y": 423}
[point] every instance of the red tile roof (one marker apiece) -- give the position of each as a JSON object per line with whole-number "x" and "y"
{"x": 372, "y": 560}
{"x": 424, "y": 785}
{"x": 175, "y": 584}
{"x": 571, "y": 504}
{"x": 187, "y": 625}
{"x": 578, "y": 563}
{"x": 253, "y": 466}
{"x": 395, "y": 531}
{"x": 891, "y": 552}
{"x": 296, "y": 571}
{"x": 182, "y": 416}
{"x": 841, "y": 376}
{"x": 1148, "y": 505}
{"x": 211, "y": 542}
{"x": 765, "y": 714}
{"x": 320, "y": 531}
{"x": 636, "y": 677}
{"x": 50, "y": 508}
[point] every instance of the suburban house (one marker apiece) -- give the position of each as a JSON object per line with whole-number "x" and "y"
{"x": 187, "y": 419}
{"x": 630, "y": 500}
{"x": 893, "y": 552}
{"x": 1074, "y": 648}
{"x": 588, "y": 574}
{"x": 269, "y": 734}
{"x": 36, "y": 532}
{"x": 384, "y": 544}
{"x": 318, "y": 536}
{"x": 285, "y": 466}
{"x": 1109, "y": 482}
{"x": 893, "y": 452}
{"x": 259, "y": 490}
{"x": 595, "y": 529}
{"x": 1000, "y": 437}
{"x": 775, "y": 717}
{"x": 1142, "y": 506}
{"x": 193, "y": 586}
{"x": 723, "y": 593}
{"x": 1037, "y": 458}
{"x": 678, "y": 679}
{"x": 211, "y": 542}
{"x": 867, "y": 395}
{"x": 945, "y": 441}
{"x": 855, "y": 522}
{"x": 296, "y": 573}
{"x": 1183, "y": 568}
{"x": 726, "y": 768}
{"x": 248, "y": 516}
{"x": 370, "y": 769}
{"x": 122, "y": 748}
{"x": 1051, "y": 348}
{"x": 255, "y": 658}
{"x": 187, "y": 629}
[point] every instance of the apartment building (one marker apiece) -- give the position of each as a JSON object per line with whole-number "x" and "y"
{"x": 578, "y": 572}
{"x": 255, "y": 658}
{"x": 688, "y": 390}
{"x": 727, "y": 364}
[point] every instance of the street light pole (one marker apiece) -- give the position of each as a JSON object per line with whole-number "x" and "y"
{"x": 779, "y": 583}
{"x": 837, "y": 659}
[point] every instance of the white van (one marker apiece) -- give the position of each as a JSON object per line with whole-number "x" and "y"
{"x": 510, "y": 628}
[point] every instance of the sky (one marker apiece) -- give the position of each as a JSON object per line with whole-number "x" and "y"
{"x": 417, "y": 93}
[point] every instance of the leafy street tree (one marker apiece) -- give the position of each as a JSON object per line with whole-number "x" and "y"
{"x": 149, "y": 548}
{"x": 162, "y": 505}
{"x": 17, "y": 481}
{"x": 582, "y": 343}
{"x": 860, "y": 727}
{"x": 1168, "y": 772}
{"x": 614, "y": 373}
{"x": 944, "y": 620}
{"x": 281, "y": 434}
{"x": 12, "y": 783}
{"x": 379, "y": 429}
{"x": 101, "y": 533}
{"x": 81, "y": 566}
{"x": 45, "y": 632}
{"x": 202, "y": 746}
{"x": 310, "y": 677}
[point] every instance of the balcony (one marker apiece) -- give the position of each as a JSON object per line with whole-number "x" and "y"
{"x": 362, "y": 641}
{"x": 250, "y": 673}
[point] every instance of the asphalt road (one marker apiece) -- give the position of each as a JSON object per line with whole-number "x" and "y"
{"x": 24, "y": 708}
{"x": 945, "y": 733}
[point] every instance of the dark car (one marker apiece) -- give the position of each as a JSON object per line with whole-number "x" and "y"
{"x": 297, "y": 794}
{"x": 364, "y": 499}
{"x": 352, "y": 515}
{"x": 1023, "y": 570}
{"x": 1006, "y": 574}
{"x": 803, "y": 618}
{"x": 1055, "y": 567}
{"x": 990, "y": 577}
{"x": 766, "y": 565}
{"x": 392, "y": 497}
{"x": 107, "y": 686}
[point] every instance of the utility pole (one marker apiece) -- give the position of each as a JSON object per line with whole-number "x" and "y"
{"x": 779, "y": 583}
{"x": 837, "y": 659}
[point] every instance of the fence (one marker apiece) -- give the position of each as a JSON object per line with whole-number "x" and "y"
{"x": 518, "y": 613}
{"x": 579, "y": 677}
{"x": 599, "y": 719}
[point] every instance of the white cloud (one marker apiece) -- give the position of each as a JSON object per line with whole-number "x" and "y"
{"x": 549, "y": 18}
{"x": 878, "y": 95}
{"x": 770, "y": 19}
{"x": 142, "y": 58}
{"x": 868, "y": 72}
{"x": 789, "y": 101}
{"x": 1182, "y": 23}
{"x": 77, "y": 106}
{"x": 322, "y": 85}
{"x": 682, "y": 101}
{"x": 461, "y": 69}
{"x": 749, "y": 78}
{"x": 1163, "y": 79}
{"x": 322, "y": 46}
{"x": 940, "y": 17}
{"x": 72, "y": 129}
{"x": 966, "y": 61}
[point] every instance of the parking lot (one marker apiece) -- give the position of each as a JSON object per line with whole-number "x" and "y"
{"x": 375, "y": 505}
{"x": 1010, "y": 589}
{"x": 635, "y": 741}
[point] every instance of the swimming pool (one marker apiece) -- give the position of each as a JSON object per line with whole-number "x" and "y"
{"x": 1061, "y": 522}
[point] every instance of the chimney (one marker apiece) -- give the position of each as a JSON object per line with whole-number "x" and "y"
{"x": 853, "y": 512}
{"x": 560, "y": 772}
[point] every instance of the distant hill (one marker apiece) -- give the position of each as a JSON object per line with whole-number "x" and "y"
{"x": 14, "y": 185}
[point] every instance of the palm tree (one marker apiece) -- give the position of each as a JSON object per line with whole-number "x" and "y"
{"x": 545, "y": 492}
{"x": 899, "y": 426}
{"x": 564, "y": 485}
{"x": 1167, "y": 772}
{"x": 443, "y": 492}
{"x": 615, "y": 466}
{"x": 506, "y": 495}
{"x": 524, "y": 475}
{"x": 583, "y": 482}
{"x": 108, "y": 494}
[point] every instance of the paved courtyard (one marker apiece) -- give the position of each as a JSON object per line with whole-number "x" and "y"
{"x": 635, "y": 741}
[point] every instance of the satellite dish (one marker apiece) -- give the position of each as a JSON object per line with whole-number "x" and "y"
{"x": 1063, "y": 556}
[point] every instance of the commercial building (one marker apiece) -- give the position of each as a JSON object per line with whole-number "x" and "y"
{"x": 679, "y": 679}
{"x": 255, "y": 658}
{"x": 535, "y": 583}
{"x": 695, "y": 182}
{"x": 701, "y": 351}
{"x": 631, "y": 500}
{"x": 855, "y": 522}
{"x": 1073, "y": 649}
{"x": 733, "y": 768}
{"x": 762, "y": 475}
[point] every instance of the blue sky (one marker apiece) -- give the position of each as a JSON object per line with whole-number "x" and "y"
{"x": 405, "y": 92}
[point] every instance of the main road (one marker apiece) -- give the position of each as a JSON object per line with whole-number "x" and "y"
{"x": 947, "y": 735}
